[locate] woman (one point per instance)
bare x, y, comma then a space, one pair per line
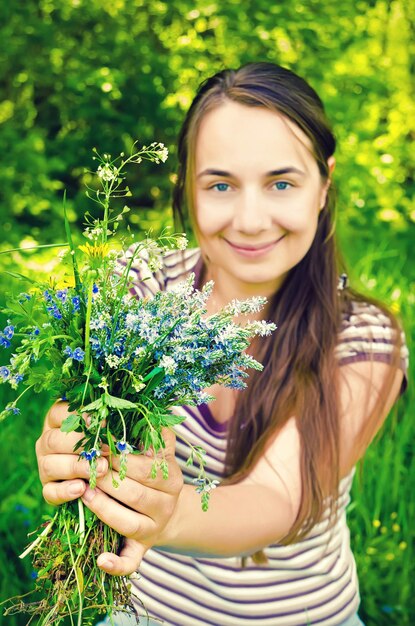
255, 167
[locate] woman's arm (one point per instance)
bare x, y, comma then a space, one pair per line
242, 518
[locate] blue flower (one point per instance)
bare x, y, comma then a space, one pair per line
13, 409
95, 288
17, 378
54, 311
21, 508
62, 294
8, 332
4, 341
78, 354
47, 296
68, 351
4, 372
123, 447
89, 455
33, 575
76, 303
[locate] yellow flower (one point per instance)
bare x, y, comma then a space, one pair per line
376, 523
96, 251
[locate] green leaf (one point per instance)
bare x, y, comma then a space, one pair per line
154, 372
71, 245
71, 423
118, 403
171, 420
94, 406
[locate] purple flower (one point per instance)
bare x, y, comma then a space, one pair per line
4, 372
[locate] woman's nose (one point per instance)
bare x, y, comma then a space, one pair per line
251, 215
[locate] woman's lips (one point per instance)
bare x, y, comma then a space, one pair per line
253, 251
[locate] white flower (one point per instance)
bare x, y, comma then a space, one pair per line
182, 242
113, 361
107, 172
169, 364
139, 352
155, 264
131, 319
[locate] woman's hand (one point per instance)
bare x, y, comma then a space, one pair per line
63, 474
139, 508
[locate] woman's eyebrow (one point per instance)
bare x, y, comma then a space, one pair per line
285, 170
213, 172
279, 172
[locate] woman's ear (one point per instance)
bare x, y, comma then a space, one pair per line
331, 162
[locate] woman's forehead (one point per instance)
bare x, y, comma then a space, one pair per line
233, 130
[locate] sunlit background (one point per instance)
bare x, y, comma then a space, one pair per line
103, 73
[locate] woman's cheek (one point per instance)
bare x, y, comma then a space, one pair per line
210, 219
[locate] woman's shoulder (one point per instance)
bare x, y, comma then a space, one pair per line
370, 332
171, 267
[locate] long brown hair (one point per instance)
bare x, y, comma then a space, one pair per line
300, 375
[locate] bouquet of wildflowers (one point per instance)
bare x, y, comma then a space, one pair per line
126, 362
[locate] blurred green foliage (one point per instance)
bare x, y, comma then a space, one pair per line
75, 74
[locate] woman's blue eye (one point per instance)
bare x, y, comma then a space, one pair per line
221, 186
282, 185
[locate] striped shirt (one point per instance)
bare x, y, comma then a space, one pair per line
311, 582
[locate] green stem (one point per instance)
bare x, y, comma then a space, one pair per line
87, 325
39, 539
74, 566
81, 520
49, 245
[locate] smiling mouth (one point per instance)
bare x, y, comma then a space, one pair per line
253, 250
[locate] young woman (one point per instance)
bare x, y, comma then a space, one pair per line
255, 172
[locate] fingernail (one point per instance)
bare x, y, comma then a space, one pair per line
101, 466
89, 495
76, 489
103, 561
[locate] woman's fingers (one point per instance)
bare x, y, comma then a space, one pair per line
127, 562
60, 492
57, 413
122, 519
54, 441
154, 503
66, 466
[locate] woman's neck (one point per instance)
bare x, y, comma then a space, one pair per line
228, 288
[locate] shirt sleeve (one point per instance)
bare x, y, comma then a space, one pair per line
367, 334
144, 282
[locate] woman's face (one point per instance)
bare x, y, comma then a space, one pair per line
258, 194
